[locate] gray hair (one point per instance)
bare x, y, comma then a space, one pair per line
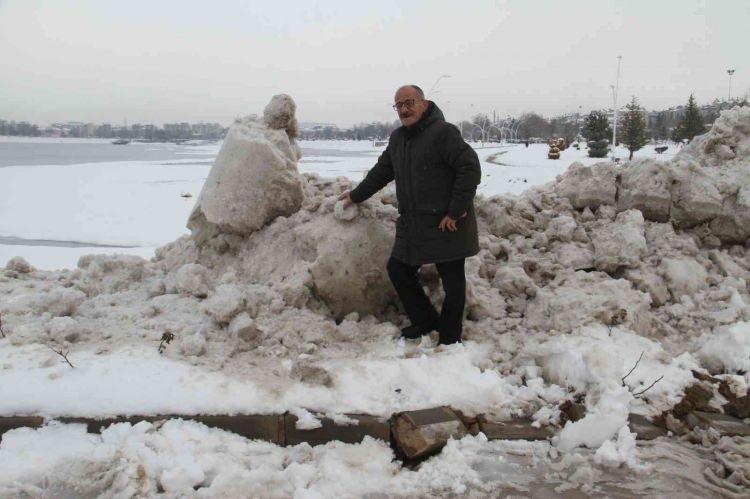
420, 92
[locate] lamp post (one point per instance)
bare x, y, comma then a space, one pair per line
730, 72
435, 84
615, 90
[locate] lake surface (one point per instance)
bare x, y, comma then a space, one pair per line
27, 152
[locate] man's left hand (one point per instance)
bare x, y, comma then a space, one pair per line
449, 223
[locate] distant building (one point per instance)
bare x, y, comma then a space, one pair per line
89, 130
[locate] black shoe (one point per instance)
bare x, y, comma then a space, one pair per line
415, 331
448, 341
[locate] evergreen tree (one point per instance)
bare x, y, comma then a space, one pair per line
691, 123
596, 126
596, 130
633, 125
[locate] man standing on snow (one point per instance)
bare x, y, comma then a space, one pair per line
436, 175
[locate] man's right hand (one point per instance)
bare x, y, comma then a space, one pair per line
344, 196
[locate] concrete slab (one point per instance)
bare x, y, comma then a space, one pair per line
697, 396
12, 422
96, 425
518, 429
255, 427
644, 428
739, 407
330, 431
422, 433
726, 425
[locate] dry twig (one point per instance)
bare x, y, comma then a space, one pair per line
166, 339
638, 394
631, 371
62, 353
2, 333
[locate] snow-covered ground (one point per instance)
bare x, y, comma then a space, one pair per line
187, 459
573, 288
54, 214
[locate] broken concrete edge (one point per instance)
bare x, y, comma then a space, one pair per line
281, 429
329, 430
645, 428
423, 433
724, 424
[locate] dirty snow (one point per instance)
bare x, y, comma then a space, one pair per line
570, 288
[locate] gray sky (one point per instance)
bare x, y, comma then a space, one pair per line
160, 61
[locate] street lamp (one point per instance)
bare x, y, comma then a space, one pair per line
730, 72
615, 91
435, 84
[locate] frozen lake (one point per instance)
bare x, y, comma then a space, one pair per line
63, 198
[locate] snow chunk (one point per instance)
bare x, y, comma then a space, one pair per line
586, 297
254, 178
279, 114
226, 302
561, 229
683, 276
349, 271
19, 264
111, 273
613, 453
593, 359
574, 256
192, 279
695, 198
63, 329
193, 344
306, 420
599, 425
621, 244
590, 186
244, 328
646, 186
348, 213
60, 301
728, 350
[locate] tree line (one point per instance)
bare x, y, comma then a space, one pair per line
635, 132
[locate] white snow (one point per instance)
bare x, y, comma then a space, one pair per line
137, 380
570, 289
727, 350
187, 459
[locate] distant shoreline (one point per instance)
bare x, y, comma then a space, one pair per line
99, 140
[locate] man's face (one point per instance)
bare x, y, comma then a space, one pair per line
409, 106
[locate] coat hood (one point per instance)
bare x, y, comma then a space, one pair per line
431, 115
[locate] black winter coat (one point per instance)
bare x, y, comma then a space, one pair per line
436, 174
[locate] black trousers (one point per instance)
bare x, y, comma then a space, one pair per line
418, 307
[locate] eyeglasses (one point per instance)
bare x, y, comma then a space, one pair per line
405, 103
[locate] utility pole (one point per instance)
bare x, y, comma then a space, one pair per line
730, 72
615, 91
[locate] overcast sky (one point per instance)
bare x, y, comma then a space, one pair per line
160, 61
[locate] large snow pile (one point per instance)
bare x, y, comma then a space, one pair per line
280, 286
